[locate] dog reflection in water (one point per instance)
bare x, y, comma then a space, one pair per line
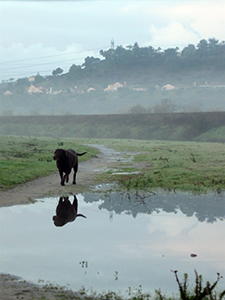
66, 212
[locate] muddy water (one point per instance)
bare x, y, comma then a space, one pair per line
126, 240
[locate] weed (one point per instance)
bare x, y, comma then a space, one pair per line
199, 292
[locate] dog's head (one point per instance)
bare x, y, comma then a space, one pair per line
59, 221
59, 154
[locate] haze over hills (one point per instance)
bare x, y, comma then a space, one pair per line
126, 80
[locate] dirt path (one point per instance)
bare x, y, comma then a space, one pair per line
50, 185
12, 287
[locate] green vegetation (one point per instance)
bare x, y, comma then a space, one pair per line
23, 159
201, 291
197, 72
186, 166
207, 55
207, 127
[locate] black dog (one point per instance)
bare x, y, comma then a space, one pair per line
66, 212
65, 161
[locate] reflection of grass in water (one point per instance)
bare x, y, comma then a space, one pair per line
200, 291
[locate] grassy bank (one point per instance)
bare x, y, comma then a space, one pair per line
202, 127
23, 159
186, 166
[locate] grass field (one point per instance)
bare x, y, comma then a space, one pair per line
23, 158
186, 166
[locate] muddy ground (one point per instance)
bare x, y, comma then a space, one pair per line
13, 287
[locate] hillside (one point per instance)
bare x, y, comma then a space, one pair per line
189, 80
207, 127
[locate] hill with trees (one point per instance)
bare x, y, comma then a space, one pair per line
143, 76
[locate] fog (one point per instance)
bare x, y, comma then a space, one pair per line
123, 101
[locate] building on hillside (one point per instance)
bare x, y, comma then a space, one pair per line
31, 79
7, 93
33, 90
91, 89
113, 88
51, 92
168, 87
118, 85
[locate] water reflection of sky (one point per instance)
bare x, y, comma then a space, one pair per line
110, 251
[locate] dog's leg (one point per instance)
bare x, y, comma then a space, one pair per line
74, 177
67, 177
75, 168
62, 178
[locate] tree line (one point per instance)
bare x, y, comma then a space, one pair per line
207, 55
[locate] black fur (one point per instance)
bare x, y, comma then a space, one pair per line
66, 160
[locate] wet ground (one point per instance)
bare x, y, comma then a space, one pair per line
126, 240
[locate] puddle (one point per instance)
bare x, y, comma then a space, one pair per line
126, 173
126, 240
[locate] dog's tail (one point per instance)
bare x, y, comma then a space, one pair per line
80, 154
80, 215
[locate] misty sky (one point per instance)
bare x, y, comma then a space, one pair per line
39, 36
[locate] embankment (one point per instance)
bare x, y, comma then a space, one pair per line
202, 126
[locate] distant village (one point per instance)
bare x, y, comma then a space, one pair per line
32, 89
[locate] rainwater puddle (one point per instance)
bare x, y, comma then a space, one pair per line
126, 240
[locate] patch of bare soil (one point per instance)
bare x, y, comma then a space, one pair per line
11, 286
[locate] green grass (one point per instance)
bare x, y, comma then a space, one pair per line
185, 166
25, 158
201, 127
200, 291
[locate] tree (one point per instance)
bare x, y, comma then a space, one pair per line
56, 72
166, 106
22, 84
189, 51
171, 52
138, 109
75, 72
38, 78
90, 61
202, 48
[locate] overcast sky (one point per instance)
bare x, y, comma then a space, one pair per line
39, 36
